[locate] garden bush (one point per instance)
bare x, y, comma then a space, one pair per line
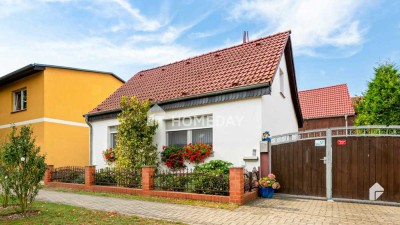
23, 165
214, 165
69, 175
105, 177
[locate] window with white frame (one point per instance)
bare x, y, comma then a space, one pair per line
112, 137
193, 130
20, 100
282, 82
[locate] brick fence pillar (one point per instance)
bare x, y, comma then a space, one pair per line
147, 179
236, 185
47, 174
90, 173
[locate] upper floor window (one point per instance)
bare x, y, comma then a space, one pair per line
20, 100
282, 82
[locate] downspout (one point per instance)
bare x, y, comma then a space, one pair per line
345, 119
90, 138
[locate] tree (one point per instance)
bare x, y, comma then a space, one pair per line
4, 184
381, 103
135, 146
24, 165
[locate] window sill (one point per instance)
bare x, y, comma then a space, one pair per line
248, 158
23, 110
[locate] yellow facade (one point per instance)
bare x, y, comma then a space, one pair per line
57, 99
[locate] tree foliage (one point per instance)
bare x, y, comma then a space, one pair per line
22, 166
135, 146
381, 103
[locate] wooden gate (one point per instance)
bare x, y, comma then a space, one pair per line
300, 168
362, 162
339, 162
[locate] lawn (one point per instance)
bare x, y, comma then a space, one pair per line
52, 213
228, 206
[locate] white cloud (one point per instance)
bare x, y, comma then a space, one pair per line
166, 36
112, 36
144, 24
314, 23
91, 53
206, 34
9, 7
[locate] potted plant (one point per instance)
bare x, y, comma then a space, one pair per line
268, 185
109, 156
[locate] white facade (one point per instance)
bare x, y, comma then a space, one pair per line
279, 116
237, 125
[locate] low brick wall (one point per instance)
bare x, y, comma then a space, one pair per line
250, 196
236, 186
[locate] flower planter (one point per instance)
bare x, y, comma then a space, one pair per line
266, 192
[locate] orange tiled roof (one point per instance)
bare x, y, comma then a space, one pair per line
326, 102
251, 63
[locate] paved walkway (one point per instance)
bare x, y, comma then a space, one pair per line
261, 211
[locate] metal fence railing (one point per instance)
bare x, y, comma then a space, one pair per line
192, 181
353, 131
250, 179
366, 131
69, 174
122, 177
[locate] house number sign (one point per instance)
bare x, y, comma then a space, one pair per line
319, 143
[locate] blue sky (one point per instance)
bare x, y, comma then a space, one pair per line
334, 41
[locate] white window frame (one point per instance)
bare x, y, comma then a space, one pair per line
23, 93
188, 130
282, 82
111, 130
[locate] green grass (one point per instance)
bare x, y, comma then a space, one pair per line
228, 206
52, 213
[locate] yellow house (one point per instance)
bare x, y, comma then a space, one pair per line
53, 99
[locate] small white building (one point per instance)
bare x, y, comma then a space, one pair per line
226, 98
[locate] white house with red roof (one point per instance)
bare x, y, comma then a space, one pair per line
226, 98
326, 107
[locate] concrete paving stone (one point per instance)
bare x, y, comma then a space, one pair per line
261, 211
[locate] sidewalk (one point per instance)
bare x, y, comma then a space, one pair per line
262, 211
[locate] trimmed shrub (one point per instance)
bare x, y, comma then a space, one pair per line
214, 165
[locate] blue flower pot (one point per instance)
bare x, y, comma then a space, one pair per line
266, 192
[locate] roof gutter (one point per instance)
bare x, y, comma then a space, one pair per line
90, 140
243, 88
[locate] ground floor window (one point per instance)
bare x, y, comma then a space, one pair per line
112, 137
193, 130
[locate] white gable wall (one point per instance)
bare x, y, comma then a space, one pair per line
278, 114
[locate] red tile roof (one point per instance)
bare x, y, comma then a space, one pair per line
326, 102
251, 63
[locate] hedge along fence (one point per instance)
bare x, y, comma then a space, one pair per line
69, 174
192, 181
155, 184
122, 177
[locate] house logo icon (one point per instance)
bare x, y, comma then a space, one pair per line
375, 191
156, 113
